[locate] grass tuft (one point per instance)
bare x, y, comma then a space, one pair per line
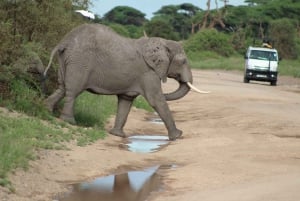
141, 103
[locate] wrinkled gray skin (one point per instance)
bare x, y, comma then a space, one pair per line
92, 57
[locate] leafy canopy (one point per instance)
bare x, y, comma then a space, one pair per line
125, 15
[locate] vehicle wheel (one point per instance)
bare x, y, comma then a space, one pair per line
246, 80
273, 83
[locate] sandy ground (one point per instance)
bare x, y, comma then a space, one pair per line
240, 143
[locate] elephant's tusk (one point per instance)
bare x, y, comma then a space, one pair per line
197, 90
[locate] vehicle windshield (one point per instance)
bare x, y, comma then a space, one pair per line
263, 55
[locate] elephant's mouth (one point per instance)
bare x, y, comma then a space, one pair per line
174, 76
182, 90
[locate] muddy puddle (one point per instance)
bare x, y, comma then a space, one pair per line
129, 186
145, 143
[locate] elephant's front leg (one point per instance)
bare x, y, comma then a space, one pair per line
124, 105
160, 105
156, 99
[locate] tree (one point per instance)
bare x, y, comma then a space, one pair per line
179, 17
39, 21
82, 4
125, 15
283, 40
256, 2
130, 31
210, 18
28, 32
161, 28
209, 40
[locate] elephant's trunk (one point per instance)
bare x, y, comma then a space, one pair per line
182, 90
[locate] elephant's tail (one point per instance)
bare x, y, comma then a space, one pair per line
50, 61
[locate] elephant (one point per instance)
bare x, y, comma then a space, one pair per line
94, 58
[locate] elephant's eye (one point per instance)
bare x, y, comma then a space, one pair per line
184, 61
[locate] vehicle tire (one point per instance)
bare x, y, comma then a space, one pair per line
273, 83
246, 80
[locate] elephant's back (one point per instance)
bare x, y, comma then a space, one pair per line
102, 51
91, 32
97, 38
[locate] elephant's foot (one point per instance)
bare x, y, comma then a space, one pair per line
68, 119
117, 132
48, 106
175, 134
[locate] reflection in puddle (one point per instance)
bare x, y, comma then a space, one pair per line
130, 186
145, 143
156, 120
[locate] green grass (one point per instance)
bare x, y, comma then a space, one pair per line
24, 98
224, 63
93, 110
290, 67
20, 137
141, 103
208, 60
91, 114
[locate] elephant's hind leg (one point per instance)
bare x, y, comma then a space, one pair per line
54, 98
124, 105
68, 110
74, 82
71, 94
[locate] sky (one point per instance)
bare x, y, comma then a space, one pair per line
100, 7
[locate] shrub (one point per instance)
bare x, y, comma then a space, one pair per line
161, 28
120, 29
209, 40
284, 41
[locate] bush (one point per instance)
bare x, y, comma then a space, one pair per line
209, 40
130, 31
161, 28
134, 31
284, 41
9, 44
120, 29
25, 98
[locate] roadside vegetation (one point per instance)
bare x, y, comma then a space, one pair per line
212, 39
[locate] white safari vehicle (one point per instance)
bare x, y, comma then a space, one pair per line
261, 64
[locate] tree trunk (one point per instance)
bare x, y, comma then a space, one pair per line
204, 21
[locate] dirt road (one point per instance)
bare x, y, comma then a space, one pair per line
240, 143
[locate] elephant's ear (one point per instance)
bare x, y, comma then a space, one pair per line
156, 56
